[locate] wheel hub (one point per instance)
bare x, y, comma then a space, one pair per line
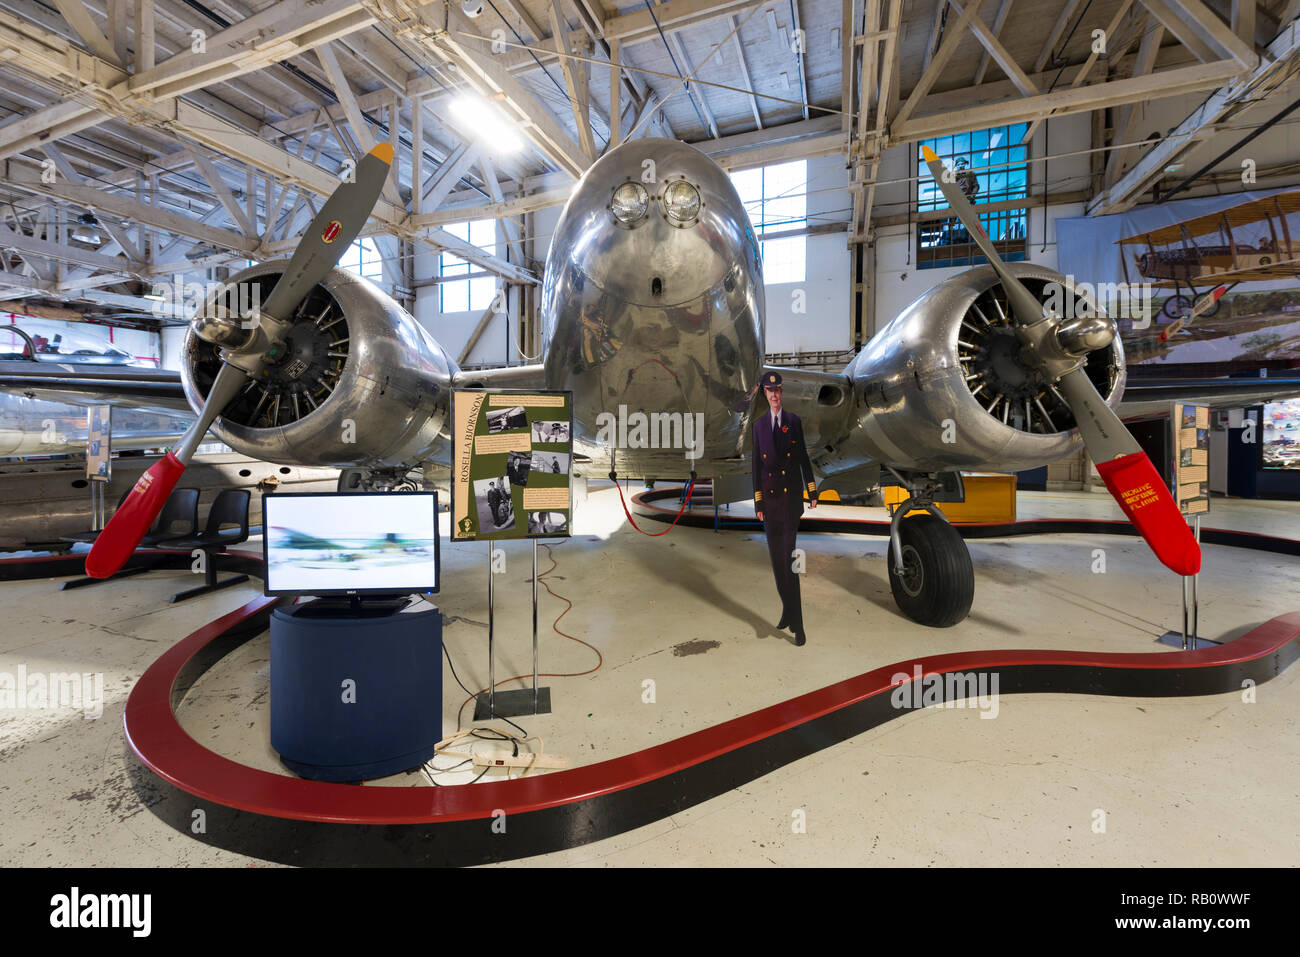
913, 577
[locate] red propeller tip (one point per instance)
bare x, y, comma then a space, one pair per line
133, 518
1142, 496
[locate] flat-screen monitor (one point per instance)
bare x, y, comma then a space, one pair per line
355, 543
1279, 447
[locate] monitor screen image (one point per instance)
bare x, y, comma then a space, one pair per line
381, 543
1280, 448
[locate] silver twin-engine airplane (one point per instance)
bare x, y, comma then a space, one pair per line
653, 303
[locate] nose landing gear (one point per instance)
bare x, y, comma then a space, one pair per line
930, 571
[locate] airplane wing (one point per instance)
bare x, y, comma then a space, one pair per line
506, 377
1145, 396
1243, 214
76, 384
292, 538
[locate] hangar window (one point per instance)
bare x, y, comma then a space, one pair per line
473, 292
362, 259
991, 166
776, 198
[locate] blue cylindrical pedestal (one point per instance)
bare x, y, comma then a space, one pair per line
354, 698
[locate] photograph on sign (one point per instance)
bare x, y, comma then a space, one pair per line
1191, 457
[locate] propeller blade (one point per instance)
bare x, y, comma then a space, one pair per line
1024, 304
1127, 471
1203, 306
1130, 477
333, 230
137, 513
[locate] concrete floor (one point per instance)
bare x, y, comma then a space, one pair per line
1180, 782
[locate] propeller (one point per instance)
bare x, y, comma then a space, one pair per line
1206, 303
246, 353
1060, 349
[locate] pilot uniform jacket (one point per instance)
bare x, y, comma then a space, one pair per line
780, 465
781, 474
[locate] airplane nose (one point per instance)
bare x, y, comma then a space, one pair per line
650, 299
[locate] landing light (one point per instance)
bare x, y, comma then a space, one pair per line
629, 203
681, 203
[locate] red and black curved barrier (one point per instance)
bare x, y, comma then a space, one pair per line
285, 819
815, 522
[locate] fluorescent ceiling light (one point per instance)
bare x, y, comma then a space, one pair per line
486, 123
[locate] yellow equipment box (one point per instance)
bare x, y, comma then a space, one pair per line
990, 499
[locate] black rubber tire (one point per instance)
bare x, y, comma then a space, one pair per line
1176, 306
940, 586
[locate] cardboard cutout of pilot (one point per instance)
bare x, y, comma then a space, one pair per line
781, 472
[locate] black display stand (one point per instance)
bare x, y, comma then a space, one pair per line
356, 687
521, 701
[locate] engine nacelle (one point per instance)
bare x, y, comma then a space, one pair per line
359, 383
944, 387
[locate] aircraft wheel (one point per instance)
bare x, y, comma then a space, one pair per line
938, 581
1177, 306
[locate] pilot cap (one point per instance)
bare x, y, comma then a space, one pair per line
771, 380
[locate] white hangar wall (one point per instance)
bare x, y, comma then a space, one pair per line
826, 319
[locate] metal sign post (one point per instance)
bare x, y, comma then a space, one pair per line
492, 659
519, 701
1189, 467
534, 626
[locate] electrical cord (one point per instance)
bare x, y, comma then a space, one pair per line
555, 626
504, 737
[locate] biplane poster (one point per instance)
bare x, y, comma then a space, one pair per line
1156, 269
512, 455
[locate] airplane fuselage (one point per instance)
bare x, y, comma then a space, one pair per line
654, 321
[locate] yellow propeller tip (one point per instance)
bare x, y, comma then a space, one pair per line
384, 151
929, 154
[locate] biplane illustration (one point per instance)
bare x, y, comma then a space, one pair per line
1251, 242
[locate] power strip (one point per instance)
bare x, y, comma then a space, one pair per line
504, 759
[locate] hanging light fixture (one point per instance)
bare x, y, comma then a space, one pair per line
87, 230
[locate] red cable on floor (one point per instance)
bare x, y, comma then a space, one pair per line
555, 625
680, 512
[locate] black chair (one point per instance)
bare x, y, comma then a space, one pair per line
228, 509
179, 516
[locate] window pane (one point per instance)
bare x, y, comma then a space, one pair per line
481, 292
362, 259
784, 192
483, 234
991, 165
455, 296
